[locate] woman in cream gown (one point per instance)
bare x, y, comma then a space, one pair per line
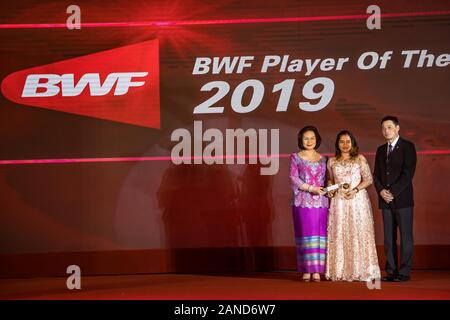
351, 251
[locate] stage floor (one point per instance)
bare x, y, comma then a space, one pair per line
426, 284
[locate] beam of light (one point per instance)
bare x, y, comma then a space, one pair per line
220, 22
166, 158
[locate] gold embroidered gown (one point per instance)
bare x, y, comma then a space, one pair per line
351, 250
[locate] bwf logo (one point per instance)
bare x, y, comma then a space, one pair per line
53, 84
120, 84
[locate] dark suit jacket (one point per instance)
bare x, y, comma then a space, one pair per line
396, 174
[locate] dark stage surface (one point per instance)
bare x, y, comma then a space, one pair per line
425, 285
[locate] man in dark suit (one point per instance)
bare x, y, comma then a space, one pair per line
395, 164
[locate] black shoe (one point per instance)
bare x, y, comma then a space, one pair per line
402, 278
388, 278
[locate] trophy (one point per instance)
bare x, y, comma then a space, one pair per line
333, 187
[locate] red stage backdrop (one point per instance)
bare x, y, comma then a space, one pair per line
92, 119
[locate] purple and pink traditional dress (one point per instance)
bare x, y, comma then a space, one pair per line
310, 212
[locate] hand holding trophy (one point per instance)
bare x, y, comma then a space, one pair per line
348, 194
332, 189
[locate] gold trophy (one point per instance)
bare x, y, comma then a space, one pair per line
334, 187
346, 187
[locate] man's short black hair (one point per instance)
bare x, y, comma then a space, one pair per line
391, 118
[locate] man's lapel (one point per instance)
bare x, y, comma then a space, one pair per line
384, 153
397, 147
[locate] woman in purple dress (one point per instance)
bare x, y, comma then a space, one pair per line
310, 206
